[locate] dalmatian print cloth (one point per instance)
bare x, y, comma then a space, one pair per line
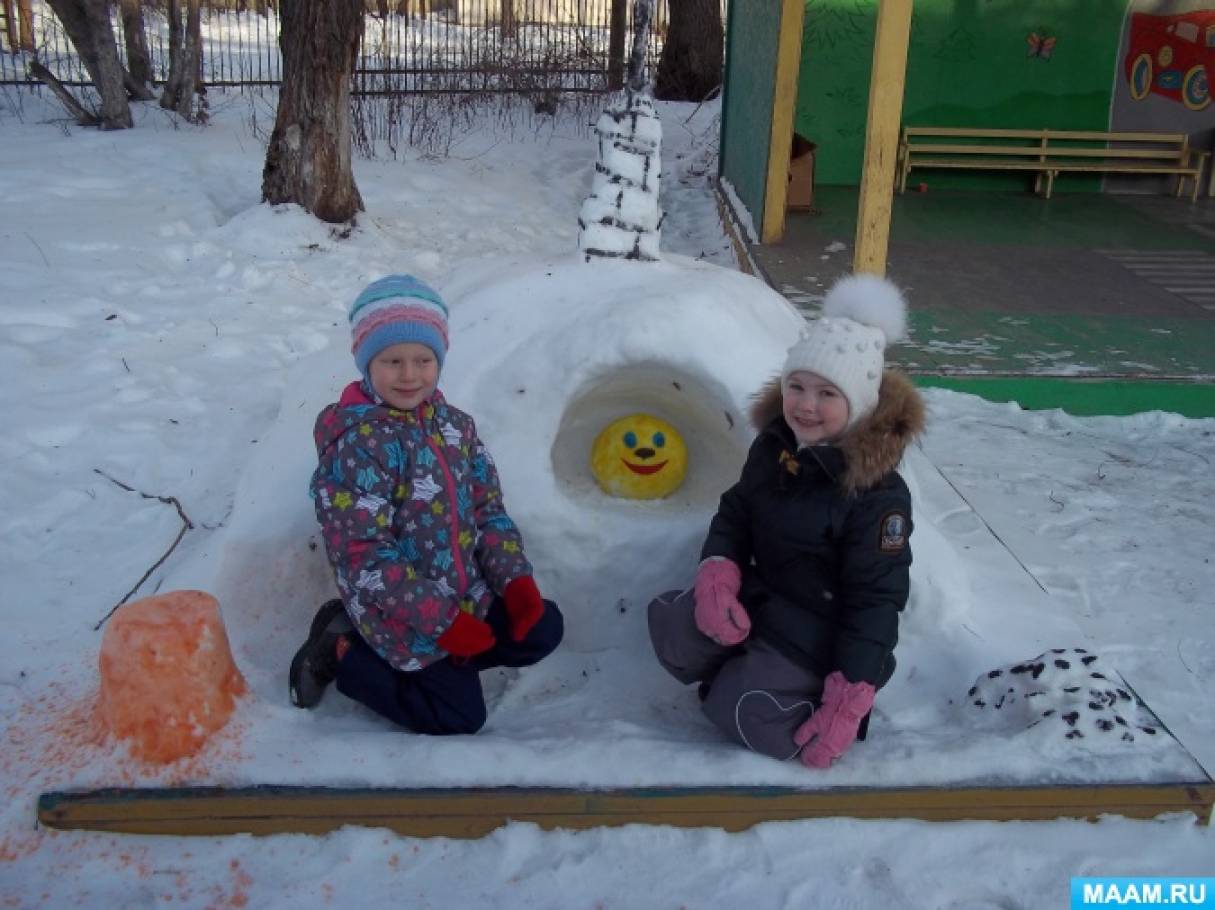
1068, 693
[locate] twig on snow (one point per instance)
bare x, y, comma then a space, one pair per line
38, 248
713, 93
1182, 659
186, 525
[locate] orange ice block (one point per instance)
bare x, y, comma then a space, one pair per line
168, 680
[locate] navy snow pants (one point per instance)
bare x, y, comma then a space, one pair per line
445, 697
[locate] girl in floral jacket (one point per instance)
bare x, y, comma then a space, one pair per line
435, 585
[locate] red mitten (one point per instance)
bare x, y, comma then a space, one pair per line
717, 612
467, 636
523, 606
832, 728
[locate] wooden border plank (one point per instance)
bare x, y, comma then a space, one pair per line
474, 812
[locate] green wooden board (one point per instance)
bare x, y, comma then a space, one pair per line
750, 85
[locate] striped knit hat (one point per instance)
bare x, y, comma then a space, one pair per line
393, 310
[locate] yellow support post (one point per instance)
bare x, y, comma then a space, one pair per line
882, 135
784, 101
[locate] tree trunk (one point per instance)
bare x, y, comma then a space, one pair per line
191, 74
690, 67
139, 62
87, 23
308, 160
10, 25
643, 18
185, 60
25, 34
616, 34
168, 97
509, 24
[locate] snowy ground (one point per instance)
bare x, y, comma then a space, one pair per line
163, 327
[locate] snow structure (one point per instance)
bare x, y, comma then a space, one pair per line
1066, 692
168, 681
690, 343
621, 218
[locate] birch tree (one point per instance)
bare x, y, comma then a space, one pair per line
309, 158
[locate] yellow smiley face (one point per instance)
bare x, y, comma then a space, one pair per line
639, 457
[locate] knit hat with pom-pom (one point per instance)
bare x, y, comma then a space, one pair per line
862, 314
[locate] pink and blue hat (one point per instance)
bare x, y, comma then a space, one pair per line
393, 310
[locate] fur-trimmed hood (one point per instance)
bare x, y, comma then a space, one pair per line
875, 445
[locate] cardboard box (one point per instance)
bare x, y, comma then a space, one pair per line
800, 196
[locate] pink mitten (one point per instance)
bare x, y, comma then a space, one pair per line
832, 728
718, 613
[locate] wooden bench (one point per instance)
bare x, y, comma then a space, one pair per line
1048, 153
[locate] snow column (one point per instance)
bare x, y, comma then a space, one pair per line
621, 218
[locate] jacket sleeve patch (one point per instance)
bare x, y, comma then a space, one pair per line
892, 533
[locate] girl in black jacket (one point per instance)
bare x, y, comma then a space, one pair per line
791, 625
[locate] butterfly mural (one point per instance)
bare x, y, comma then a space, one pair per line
1040, 45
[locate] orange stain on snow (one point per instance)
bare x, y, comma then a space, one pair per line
239, 896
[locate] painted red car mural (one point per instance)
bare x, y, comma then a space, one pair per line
1172, 56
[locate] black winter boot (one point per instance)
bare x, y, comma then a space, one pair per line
315, 664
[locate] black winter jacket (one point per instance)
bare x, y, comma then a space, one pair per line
821, 536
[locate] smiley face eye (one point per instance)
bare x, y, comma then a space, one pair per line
660, 440
630, 439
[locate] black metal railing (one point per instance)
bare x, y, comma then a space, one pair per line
409, 46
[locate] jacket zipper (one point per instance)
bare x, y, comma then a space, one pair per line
453, 512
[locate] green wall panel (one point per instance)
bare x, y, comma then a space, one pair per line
752, 34
970, 63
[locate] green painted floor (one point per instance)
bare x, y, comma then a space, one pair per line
1094, 303
1080, 220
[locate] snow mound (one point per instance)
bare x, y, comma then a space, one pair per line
1065, 696
587, 343
598, 341
544, 353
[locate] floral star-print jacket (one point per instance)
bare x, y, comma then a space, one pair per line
413, 521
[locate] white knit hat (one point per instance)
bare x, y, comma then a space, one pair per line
862, 314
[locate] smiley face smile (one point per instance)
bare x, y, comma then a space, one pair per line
644, 469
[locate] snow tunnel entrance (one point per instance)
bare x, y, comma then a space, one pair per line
716, 434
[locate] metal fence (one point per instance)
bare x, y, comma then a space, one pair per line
409, 46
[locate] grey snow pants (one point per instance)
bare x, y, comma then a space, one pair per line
756, 695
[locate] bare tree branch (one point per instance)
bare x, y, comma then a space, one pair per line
186, 526
66, 98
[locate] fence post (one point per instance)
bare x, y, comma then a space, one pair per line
619, 24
